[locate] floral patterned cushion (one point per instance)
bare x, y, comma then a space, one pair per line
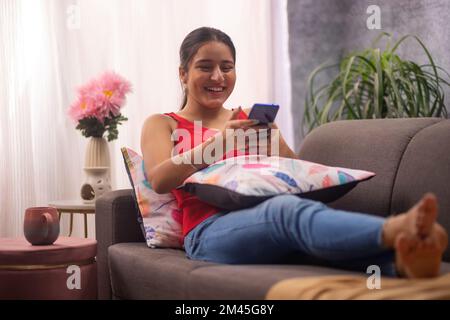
244, 181
159, 216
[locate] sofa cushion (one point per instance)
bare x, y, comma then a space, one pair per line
140, 273
158, 214
376, 145
245, 181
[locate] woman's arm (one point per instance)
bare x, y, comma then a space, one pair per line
166, 172
163, 171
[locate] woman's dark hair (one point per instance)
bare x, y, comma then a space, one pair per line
194, 40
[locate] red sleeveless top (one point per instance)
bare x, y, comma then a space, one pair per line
194, 210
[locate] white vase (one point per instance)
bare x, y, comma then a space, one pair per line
97, 153
97, 169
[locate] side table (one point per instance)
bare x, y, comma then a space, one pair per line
65, 269
74, 207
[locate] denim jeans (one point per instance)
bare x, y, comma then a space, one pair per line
286, 225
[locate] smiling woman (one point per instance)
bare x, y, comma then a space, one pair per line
210, 76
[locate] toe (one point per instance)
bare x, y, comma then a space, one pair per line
427, 214
430, 202
403, 244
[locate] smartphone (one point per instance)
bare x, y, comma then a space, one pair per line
265, 113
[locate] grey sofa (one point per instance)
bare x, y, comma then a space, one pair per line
409, 156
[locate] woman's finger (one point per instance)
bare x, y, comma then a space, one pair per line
235, 113
261, 126
236, 124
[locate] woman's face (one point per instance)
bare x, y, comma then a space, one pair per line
211, 75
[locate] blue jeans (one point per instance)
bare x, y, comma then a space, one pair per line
285, 225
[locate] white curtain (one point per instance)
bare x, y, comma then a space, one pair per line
49, 47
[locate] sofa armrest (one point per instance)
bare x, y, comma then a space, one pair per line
115, 222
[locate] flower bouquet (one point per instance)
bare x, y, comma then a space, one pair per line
97, 108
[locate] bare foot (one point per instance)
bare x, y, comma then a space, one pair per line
417, 221
418, 240
420, 257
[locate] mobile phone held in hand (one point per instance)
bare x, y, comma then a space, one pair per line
265, 113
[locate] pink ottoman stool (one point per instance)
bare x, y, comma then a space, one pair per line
64, 270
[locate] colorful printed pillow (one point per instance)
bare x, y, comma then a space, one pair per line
245, 181
159, 215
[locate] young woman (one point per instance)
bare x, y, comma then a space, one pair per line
410, 244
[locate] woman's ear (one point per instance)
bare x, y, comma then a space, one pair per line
183, 76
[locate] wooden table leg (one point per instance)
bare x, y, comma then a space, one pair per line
85, 226
71, 224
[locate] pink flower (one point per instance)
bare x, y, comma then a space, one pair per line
100, 97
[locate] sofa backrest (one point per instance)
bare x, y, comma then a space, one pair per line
409, 156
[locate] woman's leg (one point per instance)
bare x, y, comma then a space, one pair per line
286, 224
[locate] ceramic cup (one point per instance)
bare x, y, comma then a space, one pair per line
41, 225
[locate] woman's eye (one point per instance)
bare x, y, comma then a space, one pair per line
208, 68
227, 69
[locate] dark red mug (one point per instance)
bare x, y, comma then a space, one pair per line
41, 225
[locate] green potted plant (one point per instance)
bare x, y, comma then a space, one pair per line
376, 83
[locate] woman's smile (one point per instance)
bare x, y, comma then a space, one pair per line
215, 91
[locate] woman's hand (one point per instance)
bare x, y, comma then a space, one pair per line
235, 123
230, 128
268, 140
252, 138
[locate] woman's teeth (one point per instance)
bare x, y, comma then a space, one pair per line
215, 89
